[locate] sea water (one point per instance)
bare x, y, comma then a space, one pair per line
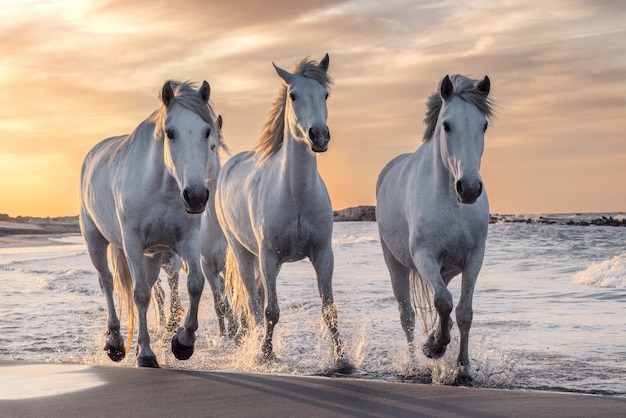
549, 313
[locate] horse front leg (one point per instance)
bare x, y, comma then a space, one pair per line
185, 338
401, 285
464, 317
323, 262
145, 271
428, 269
97, 247
269, 271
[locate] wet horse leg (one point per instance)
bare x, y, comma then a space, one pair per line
323, 262
144, 271
429, 269
97, 248
464, 316
184, 339
269, 271
159, 296
211, 274
172, 266
401, 285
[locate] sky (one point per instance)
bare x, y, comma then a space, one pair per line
75, 72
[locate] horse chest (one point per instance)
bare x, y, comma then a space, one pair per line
295, 242
452, 237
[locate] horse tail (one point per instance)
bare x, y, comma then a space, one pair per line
422, 299
123, 283
234, 288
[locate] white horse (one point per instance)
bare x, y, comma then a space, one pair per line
273, 205
432, 213
212, 257
142, 194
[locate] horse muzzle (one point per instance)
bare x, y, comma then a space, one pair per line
195, 199
468, 192
319, 137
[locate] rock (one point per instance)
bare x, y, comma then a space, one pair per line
355, 214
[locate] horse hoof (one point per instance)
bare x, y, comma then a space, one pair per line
432, 349
181, 352
342, 366
266, 358
116, 354
462, 377
148, 362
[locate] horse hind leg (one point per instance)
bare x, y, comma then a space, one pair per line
171, 266
159, 296
217, 289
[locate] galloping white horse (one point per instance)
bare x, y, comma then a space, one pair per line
142, 194
432, 213
273, 205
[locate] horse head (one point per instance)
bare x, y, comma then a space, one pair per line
306, 111
191, 140
462, 122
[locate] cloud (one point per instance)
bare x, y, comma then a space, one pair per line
75, 72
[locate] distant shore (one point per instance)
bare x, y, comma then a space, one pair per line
26, 225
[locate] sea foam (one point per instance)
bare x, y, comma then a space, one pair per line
608, 273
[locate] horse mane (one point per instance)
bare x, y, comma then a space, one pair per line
186, 95
465, 88
273, 131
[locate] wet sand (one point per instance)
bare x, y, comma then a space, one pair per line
57, 390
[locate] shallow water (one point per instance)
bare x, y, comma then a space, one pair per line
549, 311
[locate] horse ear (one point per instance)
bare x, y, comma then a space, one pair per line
446, 88
285, 75
167, 93
205, 91
324, 63
484, 85
219, 121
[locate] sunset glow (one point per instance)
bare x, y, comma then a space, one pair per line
75, 72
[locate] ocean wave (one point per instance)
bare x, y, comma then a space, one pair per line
71, 280
608, 273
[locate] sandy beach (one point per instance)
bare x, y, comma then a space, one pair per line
57, 390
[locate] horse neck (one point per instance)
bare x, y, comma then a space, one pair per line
298, 167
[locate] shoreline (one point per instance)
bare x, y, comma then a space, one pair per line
364, 213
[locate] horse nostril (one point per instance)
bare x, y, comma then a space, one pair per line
186, 195
311, 134
459, 187
480, 188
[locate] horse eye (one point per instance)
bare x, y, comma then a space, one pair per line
446, 126
326, 98
486, 125
170, 134
207, 134
292, 96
